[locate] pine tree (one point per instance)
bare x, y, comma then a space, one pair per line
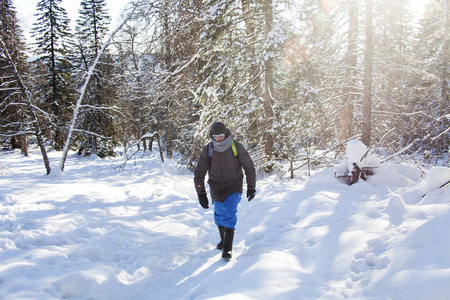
52, 34
92, 26
230, 78
431, 99
14, 126
96, 122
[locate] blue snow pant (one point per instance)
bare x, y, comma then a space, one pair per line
225, 214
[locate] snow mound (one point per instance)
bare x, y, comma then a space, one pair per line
395, 209
430, 191
422, 268
358, 153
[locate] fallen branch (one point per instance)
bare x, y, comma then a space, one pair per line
439, 188
444, 184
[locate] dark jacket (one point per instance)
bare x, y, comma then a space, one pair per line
225, 172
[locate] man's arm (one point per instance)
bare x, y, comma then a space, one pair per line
200, 172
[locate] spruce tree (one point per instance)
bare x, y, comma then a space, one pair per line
99, 130
52, 34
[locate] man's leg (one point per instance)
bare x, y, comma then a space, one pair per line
229, 219
229, 210
218, 214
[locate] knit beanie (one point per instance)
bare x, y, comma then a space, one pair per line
218, 128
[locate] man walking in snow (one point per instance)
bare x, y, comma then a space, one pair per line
223, 159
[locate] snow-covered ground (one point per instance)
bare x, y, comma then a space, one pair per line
99, 233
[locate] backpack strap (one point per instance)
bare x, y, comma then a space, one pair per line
210, 150
233, 147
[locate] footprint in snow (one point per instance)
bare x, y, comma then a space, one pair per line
313, 241
370, 259
254, 236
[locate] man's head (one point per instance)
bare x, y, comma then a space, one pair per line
218, 131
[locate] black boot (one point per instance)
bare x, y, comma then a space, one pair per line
220, 244
227, 242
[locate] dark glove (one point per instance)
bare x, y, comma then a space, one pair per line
203, 199
250, 195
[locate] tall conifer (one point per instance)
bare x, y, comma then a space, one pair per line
13, 119
52, 34
96, 122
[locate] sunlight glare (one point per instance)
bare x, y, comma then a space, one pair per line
330, 5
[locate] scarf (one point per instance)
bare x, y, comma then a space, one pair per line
223, 145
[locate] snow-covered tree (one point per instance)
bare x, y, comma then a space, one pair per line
329, 39
280, 83
98, 131
14, 126
431, 100
137, 68
18, 115
53, 71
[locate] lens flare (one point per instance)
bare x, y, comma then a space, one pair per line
330, 5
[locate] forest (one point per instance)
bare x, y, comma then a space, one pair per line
292, 80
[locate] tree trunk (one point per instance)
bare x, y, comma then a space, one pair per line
268, 89
345, 129
368, 59
24, 144
161, 154
168, 60
169, 139
255, 86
